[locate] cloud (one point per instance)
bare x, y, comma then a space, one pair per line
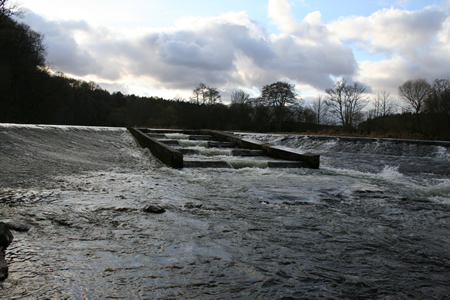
392, 30
228, 51
416, 44
63, 51
231, 51
280, 13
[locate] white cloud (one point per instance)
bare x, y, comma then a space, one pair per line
231, 51
391, 30
228, 51
416, 45
280, 12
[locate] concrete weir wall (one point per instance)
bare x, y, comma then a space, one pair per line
174, 158
309, 160
171, 157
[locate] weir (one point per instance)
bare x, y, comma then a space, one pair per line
218, 149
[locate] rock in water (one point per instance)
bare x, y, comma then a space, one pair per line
6, 238
3, 265
154, 209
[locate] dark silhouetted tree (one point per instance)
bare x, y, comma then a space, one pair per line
22, 60
213, 95
320, 110
240, 109
415, 93
278, 96
199, 94
438, 100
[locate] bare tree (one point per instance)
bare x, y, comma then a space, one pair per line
320, 109
346, 102
382, 104
239, 97
205, 95
415, 93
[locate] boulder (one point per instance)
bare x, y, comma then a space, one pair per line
154, 209
3, 265
6, 238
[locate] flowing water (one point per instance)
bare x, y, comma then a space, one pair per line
372, 222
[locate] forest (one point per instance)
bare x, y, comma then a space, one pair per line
30, 92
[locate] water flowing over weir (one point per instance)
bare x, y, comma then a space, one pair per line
371, 222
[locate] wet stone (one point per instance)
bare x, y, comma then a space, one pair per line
3, 265
6, 238
21, 227
153, 209
191, 205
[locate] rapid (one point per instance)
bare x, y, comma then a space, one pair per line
372, 222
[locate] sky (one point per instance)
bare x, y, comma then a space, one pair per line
166, 48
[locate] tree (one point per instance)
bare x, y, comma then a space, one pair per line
213, 95
346, 102
239, 97
205, 95
199, 94
178, 98
382, 104
6, 10
415, 93
320, 110
22, 63
438, 100
241, 109
277, 96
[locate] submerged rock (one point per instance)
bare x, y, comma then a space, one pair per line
21, 227
154, 209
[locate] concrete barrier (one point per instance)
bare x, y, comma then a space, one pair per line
309, 160
174, 158
240, 142
164, 153
355, 139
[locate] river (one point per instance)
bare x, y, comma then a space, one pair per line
372, 222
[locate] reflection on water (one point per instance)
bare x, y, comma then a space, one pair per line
246, 233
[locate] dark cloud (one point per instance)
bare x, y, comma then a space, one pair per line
63, 52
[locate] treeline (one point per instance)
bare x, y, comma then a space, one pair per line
427, 112
409, 126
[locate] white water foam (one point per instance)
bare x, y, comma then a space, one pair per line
61, 127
